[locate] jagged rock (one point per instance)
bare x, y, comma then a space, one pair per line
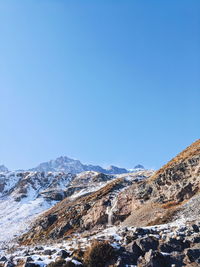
147, 243
28, 259
49, 252
31, 264
63, 254
134, 252
39, 248
193, 255
174, 245
49, 220
10, 264
195, 228
152, 259
3, 258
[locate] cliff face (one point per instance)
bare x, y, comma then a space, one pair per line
180, 178
159, 198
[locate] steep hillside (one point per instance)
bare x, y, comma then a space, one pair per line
25, 195
159, 198
103, 207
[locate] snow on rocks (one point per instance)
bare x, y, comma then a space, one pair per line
134, 246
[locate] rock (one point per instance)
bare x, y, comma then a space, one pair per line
9, 264
125, 259
174, 245
196, 239
47, 252
152, 259
71, 264
147, 243
134, 251
28, 259
3, 258
130, 238
141, 231
63, 254
48, 221
195, 228
39, 248
193, 255
31, 264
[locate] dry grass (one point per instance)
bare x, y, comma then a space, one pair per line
61, 263
190, 151
166, 217
99, 254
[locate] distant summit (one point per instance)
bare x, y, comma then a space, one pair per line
139, 166
3, 168
68, 165
116, 170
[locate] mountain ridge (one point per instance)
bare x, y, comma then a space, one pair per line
74, 166
66, 164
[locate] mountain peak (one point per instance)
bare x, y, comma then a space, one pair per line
139, 166
3, 168
69, 165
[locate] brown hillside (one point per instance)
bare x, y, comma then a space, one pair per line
158, 199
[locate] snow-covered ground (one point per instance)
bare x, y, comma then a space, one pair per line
16, 217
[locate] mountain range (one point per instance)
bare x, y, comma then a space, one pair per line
68, 165
63, 214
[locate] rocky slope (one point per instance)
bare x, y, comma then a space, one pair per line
149, 220
169, 245
105, 206
160, 198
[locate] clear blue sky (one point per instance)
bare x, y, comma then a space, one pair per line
106, 82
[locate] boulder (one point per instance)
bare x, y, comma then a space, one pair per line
31, 264
63, 254
133, 251
3, 258
147, 243
47, 252
174, 244
152, 259
195, 228
193, 255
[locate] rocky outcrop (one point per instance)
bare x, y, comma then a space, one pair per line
160, 198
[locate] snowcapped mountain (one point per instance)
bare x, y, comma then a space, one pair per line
68, 165
3, 168
21, 198
25, 195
